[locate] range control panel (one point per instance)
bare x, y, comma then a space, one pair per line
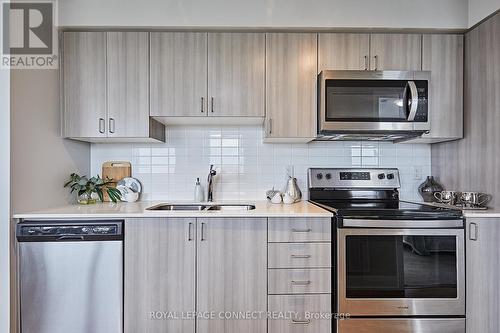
353, 178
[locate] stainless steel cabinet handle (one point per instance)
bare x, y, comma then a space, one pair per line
111, 125
303, 322
300, 283
270, 126
473, 231
212, 104
202, 238
301, 230
300, 256
102, 124
376, 62
190, 227
366, 62
202, 104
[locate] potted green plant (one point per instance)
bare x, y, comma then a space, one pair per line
85, 187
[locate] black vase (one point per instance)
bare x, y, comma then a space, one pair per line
428, 188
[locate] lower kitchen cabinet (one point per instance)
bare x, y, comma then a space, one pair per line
482, 275
159, 274
180, 265
232, 273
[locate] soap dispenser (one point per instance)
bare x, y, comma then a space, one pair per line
199, 194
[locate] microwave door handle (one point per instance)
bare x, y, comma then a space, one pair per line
414, 101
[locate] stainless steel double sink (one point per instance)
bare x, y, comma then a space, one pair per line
202, 207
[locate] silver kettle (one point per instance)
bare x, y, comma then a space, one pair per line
292, 189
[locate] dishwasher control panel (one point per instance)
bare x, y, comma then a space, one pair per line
36, 231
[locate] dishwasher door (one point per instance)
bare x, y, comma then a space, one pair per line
71, 281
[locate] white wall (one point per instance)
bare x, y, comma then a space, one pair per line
4, 197
247, 167
479, 9
266, 13
41, 160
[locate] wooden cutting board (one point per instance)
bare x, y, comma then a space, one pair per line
116, 170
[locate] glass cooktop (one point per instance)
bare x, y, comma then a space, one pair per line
388, 210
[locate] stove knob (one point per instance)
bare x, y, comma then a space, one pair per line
382, 176
390, 176
328, 176
319, 176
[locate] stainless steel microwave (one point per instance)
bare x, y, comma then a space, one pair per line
375, 105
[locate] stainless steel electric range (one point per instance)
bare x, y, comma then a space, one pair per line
400, 266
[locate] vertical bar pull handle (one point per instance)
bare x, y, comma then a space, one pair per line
190, 228
111, 125
376, 62
101, 125
202, 105
203, 232
473, 231
366, 62
212, 104
270, 126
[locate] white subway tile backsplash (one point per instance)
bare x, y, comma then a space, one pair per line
247, 167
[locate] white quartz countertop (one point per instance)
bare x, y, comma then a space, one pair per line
138, 209
481, 213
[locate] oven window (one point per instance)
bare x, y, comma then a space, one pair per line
365, 100
401, 267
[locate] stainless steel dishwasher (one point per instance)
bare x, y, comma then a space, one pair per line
71, 276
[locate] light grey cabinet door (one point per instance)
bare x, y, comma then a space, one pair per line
231, 273
291, 74
179, 74
236, 69
84, 84
443, 55
159, 274
397, 52
482, 275
343, 51
128, 84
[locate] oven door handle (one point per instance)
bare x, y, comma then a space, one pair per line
410, 224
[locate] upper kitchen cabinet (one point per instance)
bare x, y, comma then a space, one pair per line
236, 69
443, 55
178, 74
397, 52
105, 87
342, 51
84, 84
202, 78
291, 74
127, 84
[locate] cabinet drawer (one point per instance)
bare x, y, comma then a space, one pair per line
299, 281
299, 255
305, 229
308, 307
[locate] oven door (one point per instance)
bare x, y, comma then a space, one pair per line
401, 272
373, 101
